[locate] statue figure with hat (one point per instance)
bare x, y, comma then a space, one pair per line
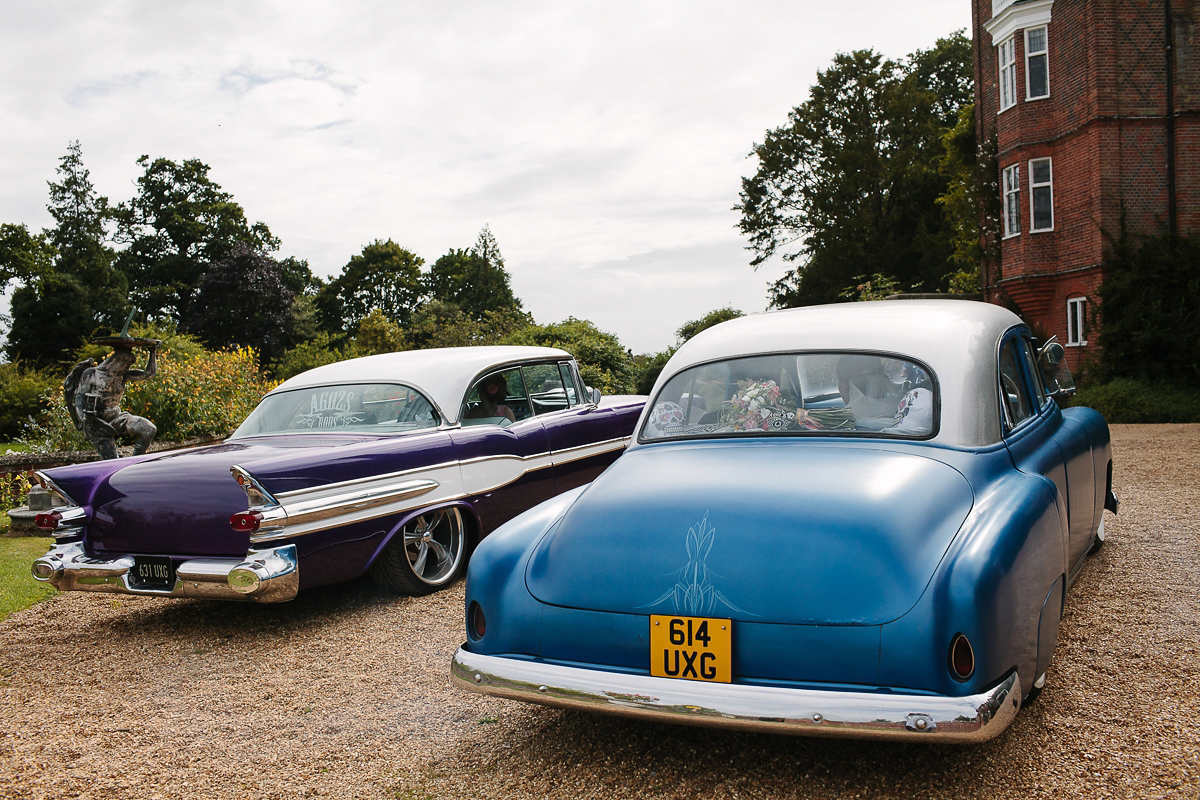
93, 393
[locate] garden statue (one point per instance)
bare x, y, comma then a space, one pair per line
93, 394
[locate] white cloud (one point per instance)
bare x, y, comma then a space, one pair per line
603, 142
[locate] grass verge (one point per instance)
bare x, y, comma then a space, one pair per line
18, 589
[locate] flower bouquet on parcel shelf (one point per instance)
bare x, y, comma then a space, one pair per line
760, 406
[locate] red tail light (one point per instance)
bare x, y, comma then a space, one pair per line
246, 521
478, 621
47, 521
962, 657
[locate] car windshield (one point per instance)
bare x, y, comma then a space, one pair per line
838, 393
350, 408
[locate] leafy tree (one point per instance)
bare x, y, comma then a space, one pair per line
473, 280
714, 317
322, 349
50, 317
243, 300
385, 276
179, 223
81, 238
23, 255
438, 323
378, 334
849, 186
971, 201
603, 362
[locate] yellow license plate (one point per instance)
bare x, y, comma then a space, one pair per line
692, 648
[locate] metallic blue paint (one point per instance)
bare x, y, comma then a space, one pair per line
821, 533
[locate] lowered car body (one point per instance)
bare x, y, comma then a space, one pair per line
852, 521
394, 464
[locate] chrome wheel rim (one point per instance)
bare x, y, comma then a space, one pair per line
433, 545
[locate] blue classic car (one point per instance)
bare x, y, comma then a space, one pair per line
395, 464
856, 520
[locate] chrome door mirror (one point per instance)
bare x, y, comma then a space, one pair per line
1055, 372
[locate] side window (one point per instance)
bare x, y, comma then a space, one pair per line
1006, 64
1012, 386
545, 383
1041, 195
1040, 398
1076, 314
1037, 65
497, 399
1011, 183
568, 382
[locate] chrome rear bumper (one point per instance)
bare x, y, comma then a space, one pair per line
263, 576
764, 709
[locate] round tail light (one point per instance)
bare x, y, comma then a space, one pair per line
246, 521
962, 657
478, 622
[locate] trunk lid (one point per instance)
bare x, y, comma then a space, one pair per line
783, 531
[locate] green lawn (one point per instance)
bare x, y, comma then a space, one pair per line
18, 589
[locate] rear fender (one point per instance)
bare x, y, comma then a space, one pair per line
991, 586
1052, 611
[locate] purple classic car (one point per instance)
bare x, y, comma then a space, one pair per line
394, 464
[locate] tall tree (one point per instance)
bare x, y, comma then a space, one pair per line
849, 186
80, 236
178, 224
244, 300
384, 276
474, 280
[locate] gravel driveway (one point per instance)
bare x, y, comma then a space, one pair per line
343, 693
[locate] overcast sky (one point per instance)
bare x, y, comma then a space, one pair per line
603, 142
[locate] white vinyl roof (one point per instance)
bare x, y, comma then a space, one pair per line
442, 374
957, 339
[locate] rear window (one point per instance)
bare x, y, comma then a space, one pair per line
350, 408
836, 393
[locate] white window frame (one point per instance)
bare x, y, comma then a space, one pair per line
1006, 70
1034, 188
1076, 320
1010, 190
1030, 55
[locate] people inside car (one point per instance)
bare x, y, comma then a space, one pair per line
493, 391
867, 389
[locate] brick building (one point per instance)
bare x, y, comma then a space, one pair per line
1094, 105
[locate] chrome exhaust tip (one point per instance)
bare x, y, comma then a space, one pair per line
47, 568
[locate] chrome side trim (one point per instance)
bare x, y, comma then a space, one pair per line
304, 511
69, 568
764, 709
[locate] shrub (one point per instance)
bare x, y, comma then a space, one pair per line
205, 394
1126, 400
21, 392
13, 488
1150, 320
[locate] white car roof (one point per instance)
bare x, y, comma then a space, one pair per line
442, 374
957, 339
